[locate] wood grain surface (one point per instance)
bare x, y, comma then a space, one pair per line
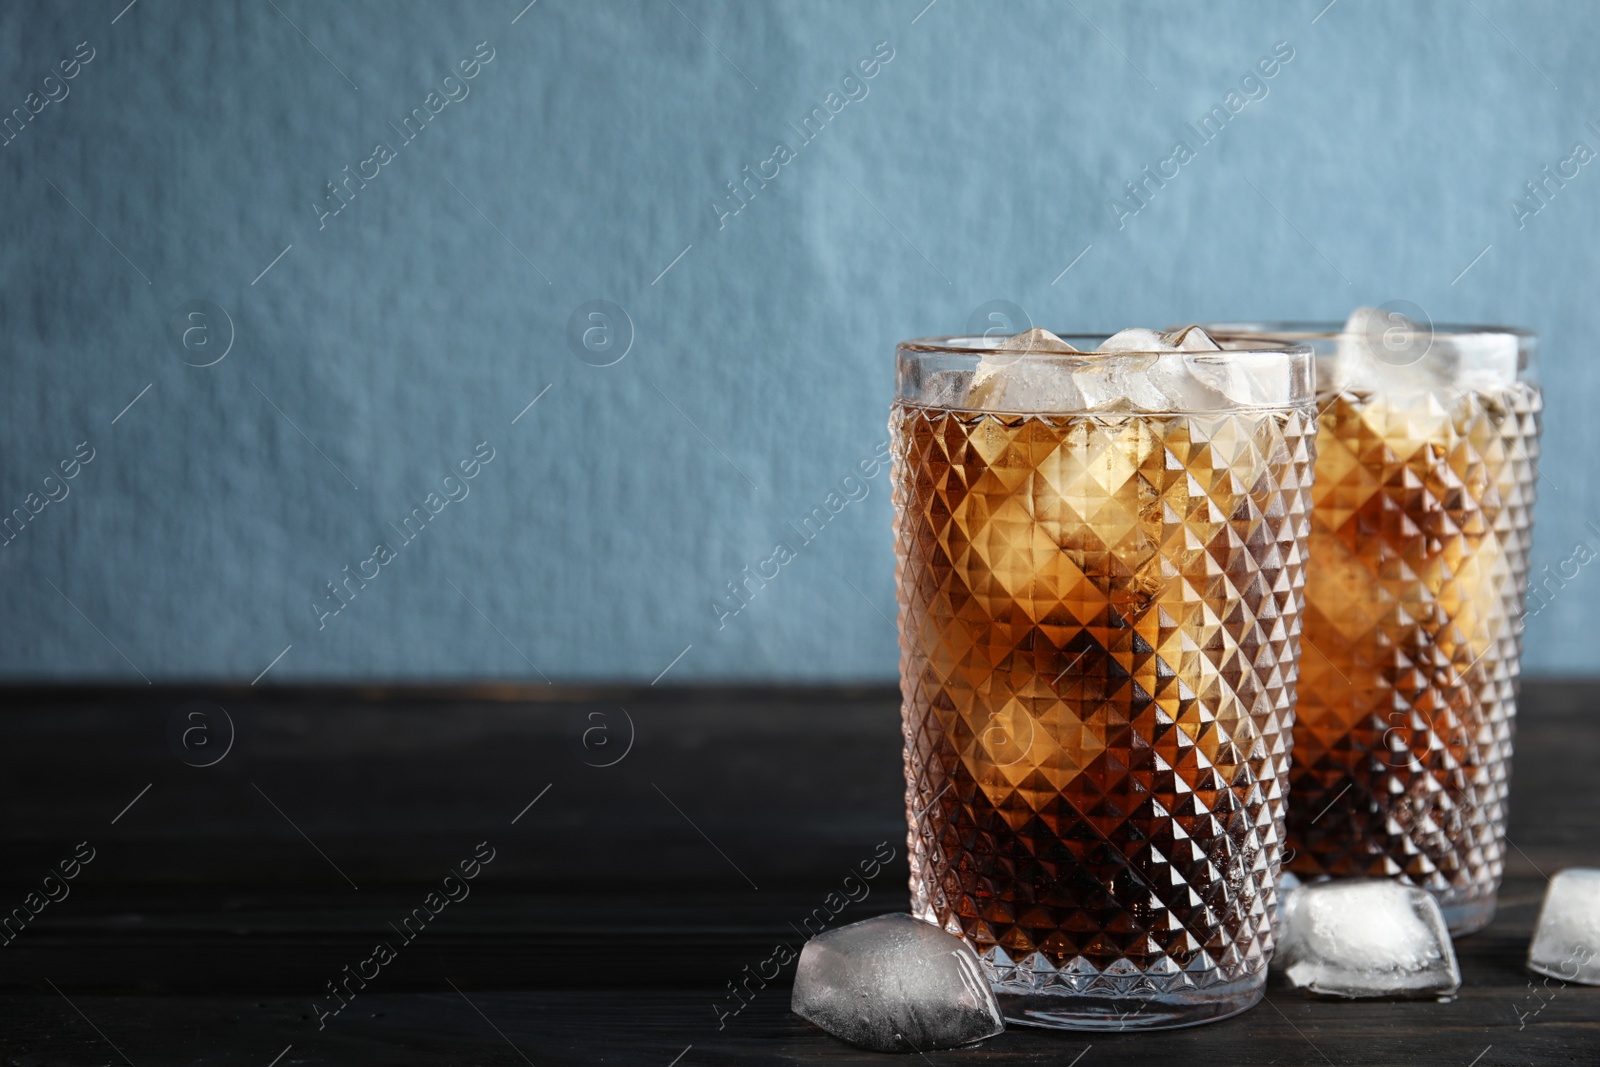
621, 898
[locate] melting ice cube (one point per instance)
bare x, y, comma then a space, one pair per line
1158, 372
1566, 944
1139, 339
1365, 938
1383, 349
1135, 339
1037, 339
1008, 381
895, 984
1191, 339
1170, 380
1124, 383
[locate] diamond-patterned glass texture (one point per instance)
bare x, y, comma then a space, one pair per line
1100, 620
1420, 535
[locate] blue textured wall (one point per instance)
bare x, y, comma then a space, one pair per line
578, 163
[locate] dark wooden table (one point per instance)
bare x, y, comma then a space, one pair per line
620, 901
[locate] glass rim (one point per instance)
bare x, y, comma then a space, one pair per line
1296, 330
939, 372
952, 345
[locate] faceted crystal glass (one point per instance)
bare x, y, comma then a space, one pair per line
1100, 613
1420, 535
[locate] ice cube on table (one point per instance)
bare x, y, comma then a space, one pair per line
1006, 380
1566, 943
1365, 938
895, 984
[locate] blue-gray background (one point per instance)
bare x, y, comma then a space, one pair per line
423, 318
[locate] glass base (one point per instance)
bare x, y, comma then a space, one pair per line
1469, 917
1065, 1010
